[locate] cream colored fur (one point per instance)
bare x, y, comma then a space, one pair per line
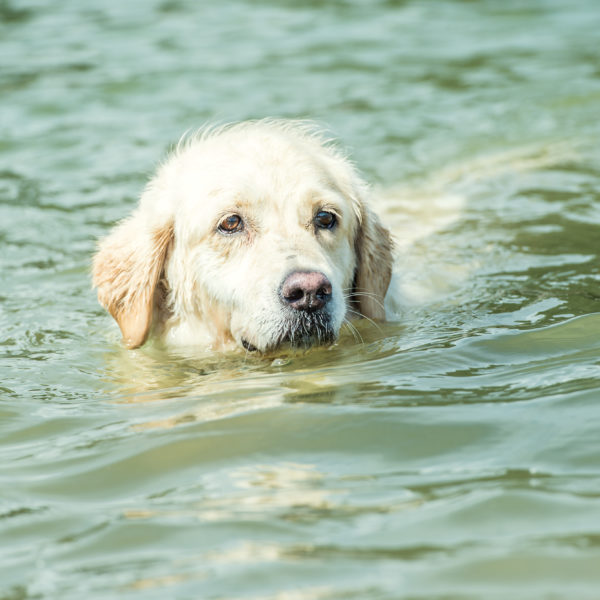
168, 269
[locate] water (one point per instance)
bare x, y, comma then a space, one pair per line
452, 454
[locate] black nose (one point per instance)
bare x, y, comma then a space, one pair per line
306, 290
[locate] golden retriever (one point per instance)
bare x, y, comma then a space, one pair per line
254, 235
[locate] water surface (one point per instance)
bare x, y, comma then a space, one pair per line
454, 453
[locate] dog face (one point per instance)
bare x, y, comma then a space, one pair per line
255, 236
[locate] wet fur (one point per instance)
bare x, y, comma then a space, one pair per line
159, 269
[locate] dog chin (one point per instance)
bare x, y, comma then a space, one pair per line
301, 331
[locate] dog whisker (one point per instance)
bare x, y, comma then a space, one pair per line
353, 330
372, 297
369, 320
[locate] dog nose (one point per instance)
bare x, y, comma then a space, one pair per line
306, 290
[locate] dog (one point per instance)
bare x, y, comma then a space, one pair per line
256, 235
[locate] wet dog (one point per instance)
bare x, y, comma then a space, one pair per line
255, 235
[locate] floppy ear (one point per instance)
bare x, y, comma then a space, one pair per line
373, 245
126, 270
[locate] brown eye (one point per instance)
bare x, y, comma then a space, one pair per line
231, 224
325, 219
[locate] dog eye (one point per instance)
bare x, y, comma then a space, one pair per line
325, 219
231, 224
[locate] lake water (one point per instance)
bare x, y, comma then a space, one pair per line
452, 454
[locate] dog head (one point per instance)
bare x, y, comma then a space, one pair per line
254, 235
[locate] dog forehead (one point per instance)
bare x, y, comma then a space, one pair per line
215, 183
273, 163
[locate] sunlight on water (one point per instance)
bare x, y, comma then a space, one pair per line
450, 453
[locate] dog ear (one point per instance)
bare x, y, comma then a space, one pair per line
126, 270
374, 246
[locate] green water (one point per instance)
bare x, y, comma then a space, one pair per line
452, 454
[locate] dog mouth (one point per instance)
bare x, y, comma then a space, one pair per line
298, 331
248, 346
